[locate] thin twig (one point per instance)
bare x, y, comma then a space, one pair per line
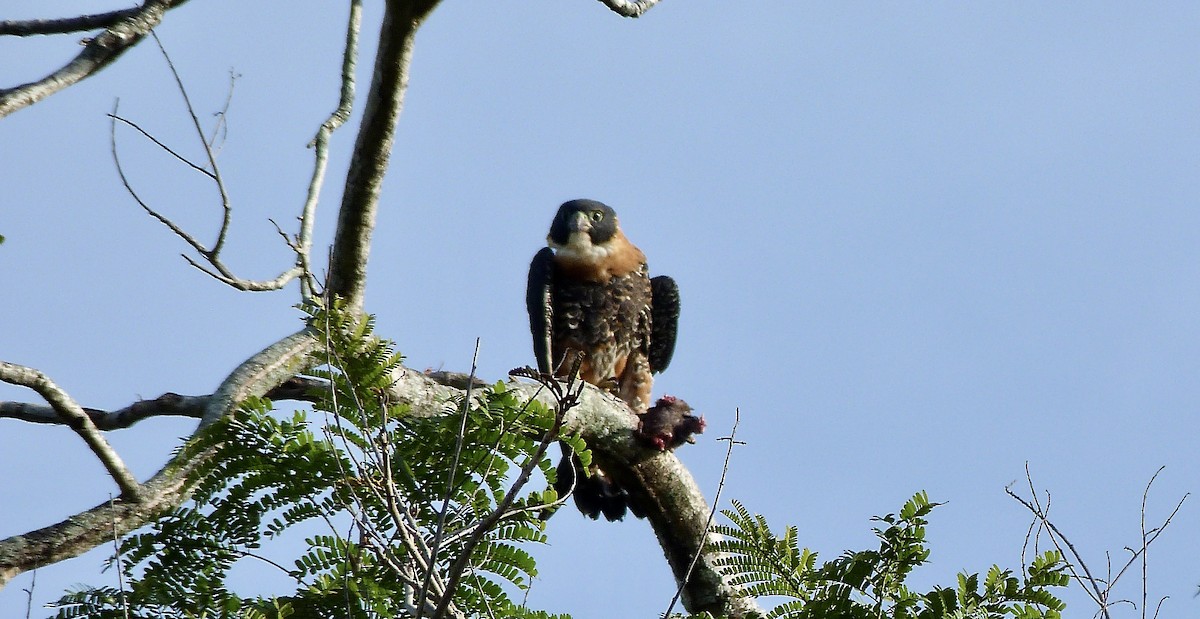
29, 595
112, 140
159, 144
221, 127
444, 512
227, 218
568, 398
219, 271
712, 513
409, 539
1145, 542
1098, 596
1100, 590
120, 568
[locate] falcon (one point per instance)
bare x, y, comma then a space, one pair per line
590, 291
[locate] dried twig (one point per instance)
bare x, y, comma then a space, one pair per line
1100, 590
444, 512
120, 568
221, 127
212, 172
29, 595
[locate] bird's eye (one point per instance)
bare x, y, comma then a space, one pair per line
597, 215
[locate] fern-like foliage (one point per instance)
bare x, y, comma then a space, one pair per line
373, 477
870, 584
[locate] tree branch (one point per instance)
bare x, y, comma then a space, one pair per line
73, 416
369, 161
220, 272
169, 487
658, 481
29, 27
124, 32
674, 504
628, 8
320, 144
165, 405
82, 532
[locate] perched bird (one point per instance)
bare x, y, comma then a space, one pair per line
669, 424
590, 291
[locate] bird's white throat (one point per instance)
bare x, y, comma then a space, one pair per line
579, 248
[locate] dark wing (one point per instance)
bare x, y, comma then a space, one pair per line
664, 318
540, 305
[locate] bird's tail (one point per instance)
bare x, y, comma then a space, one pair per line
594, 492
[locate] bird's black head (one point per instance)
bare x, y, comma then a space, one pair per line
597, 219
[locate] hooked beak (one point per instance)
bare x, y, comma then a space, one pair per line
579, 223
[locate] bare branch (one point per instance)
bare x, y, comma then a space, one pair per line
372, 148
148, 136
567, 399
628, 8
226, 207
112, 141
116, 539
124, 33
1090, 585
166, 405
78, 420
64, 25
169, 487
29, 595
320, 145
222, 273
84, 531
1100, 590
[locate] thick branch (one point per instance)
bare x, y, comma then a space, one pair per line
104, 48
83, 532
674, 505
369, 161
169, 487
659, 482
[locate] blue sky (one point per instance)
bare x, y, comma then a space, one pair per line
919, 245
